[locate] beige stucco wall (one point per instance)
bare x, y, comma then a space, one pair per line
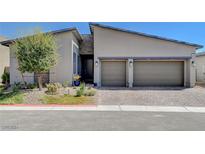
111, 43
190, 73
200, 68
61, 72
4, 57
129, 73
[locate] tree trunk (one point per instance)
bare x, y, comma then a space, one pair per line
23, 80
39, 79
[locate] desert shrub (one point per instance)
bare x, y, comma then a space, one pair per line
16, 87
65, 84
58, 85
52, 88
90, 92
82, 87
80, 91
31, 85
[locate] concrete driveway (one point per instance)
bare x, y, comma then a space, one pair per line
169, 96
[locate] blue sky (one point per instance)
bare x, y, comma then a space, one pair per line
185, 31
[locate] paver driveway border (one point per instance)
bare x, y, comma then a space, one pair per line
122, 108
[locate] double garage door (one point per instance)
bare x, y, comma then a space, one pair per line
145, 73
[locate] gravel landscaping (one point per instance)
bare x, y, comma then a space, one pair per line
152, 96
35, 96
65, 96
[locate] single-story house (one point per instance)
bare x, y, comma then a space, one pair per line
4, 58
200, 67
111, 56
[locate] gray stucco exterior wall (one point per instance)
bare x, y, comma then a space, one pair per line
110, 43
200, 68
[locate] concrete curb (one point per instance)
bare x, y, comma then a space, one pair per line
154, 108
108, 108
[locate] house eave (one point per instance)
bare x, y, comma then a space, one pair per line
145, 58
74, 30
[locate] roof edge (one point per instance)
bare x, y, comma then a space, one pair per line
144, 34
200, 54
74, 29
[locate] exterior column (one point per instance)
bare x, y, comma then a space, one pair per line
192, 71
97, 72
130, 73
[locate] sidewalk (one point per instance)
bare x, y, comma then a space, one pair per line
107, 108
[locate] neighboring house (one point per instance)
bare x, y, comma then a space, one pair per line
200, 67
4, 57
116, 57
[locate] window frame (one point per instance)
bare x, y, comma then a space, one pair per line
76, 58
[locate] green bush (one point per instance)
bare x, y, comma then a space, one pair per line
52, 88
31, 86
82, 87
16, 87
5, 78
1, 89
90, 92
80, 91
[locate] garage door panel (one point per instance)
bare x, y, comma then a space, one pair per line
113, 73
158, 73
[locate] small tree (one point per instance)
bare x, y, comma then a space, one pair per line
36, 54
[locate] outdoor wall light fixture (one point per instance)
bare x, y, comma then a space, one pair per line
96, 63
193, 63
130, 62
193, 54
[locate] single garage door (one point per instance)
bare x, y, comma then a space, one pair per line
158, 73
113, 73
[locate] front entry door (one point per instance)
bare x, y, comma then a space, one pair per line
87, 68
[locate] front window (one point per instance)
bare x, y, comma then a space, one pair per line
79, 65
74, 63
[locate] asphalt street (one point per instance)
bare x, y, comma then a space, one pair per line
100, 121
